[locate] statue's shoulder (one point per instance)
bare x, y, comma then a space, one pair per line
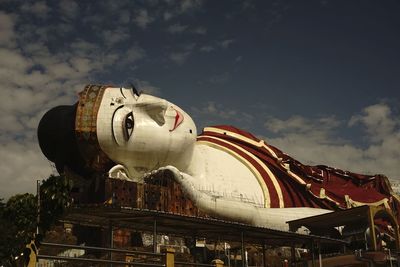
228, 131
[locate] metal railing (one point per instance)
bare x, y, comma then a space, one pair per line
72, 259
165, 259
152, 259
101, 249
194, 264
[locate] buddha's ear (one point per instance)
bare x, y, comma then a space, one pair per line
155, 109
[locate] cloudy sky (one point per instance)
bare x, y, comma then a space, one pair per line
318, 79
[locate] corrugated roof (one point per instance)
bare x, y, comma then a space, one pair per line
185, 226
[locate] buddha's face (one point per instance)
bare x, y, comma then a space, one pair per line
143, 132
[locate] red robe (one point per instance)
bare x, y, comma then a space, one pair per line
292, 184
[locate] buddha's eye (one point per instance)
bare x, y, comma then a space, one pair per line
128, 126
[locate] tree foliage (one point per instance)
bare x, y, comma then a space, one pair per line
54, 199
21, 209
7, 230
17, 225
18, 216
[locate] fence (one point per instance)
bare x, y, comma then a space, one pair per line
130, 258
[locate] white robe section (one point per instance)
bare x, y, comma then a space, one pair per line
219, 174
227, 208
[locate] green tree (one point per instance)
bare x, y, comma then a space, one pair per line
8, 244
7, 230
21, 209
17, 225
54, 199
18, 217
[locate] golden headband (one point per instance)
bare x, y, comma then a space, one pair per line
85, 127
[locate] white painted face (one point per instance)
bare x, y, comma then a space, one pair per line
144, 133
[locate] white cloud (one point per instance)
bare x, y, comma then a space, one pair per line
248, 5
124, 16
21, 167
147, 88
200, 30
39, 8
135, 53
81, 65
215, 110
181, 7
220, 78
212, 113
177, 28
226, 43
69, 8
316, 141
12, 60
142, 18
132, 54
189, 46
217, 45
167, 15
9, 124
186, 5
320, 128
207, 48
47, 69
82, 47
7, 36
378, 120
115, 36
34, 79
179, 57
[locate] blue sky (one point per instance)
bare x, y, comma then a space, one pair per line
318, 79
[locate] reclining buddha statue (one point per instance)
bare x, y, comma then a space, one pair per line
228, 173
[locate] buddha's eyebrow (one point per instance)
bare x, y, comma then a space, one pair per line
134, 90
112, 122
122, 93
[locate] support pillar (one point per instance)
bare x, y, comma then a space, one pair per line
243, 248
292, 254
169, 257
218, 263
38, 207
111, 230
372, 229
319, 254
155, 236
313, 252
264, 255
228, 254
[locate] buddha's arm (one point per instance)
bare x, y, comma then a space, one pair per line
235, 210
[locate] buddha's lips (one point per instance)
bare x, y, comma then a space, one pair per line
178, 120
